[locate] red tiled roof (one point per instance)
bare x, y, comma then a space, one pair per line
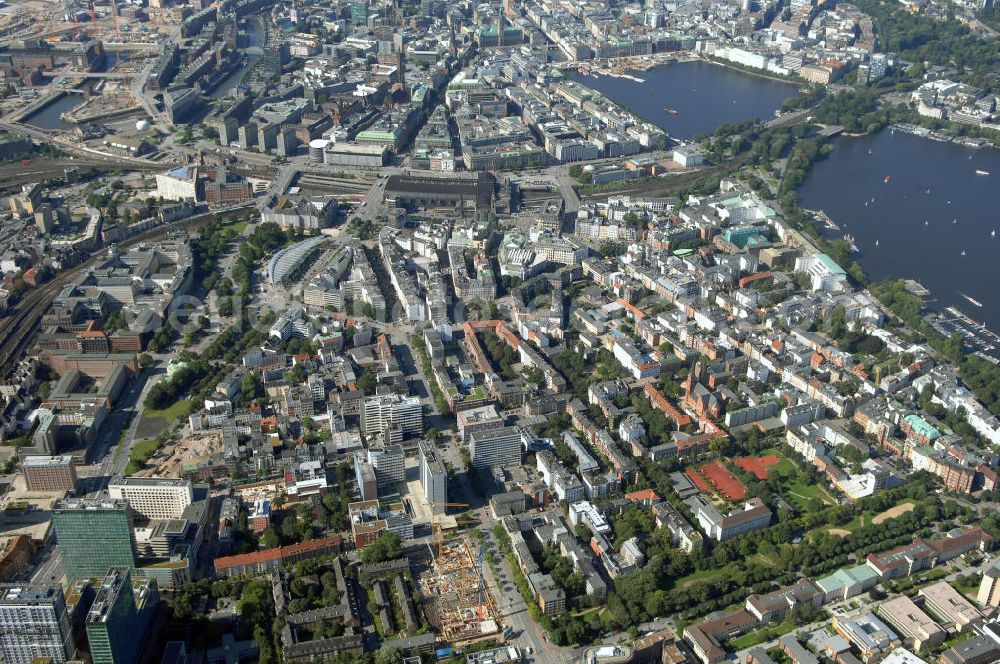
267, 555
643, 496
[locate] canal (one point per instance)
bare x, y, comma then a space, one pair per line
917, 209
254, 42
48, 117
703, 94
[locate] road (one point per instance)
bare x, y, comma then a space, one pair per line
511, 606
115, 460
49, 569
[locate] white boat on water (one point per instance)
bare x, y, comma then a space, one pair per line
971, 299
979, 171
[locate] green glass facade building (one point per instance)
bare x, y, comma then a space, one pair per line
119, 618
94, 536
359, 13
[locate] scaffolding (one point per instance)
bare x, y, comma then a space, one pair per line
464, 610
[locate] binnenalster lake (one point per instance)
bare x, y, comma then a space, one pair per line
704, 95
934, 220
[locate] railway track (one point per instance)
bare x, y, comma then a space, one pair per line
19, 326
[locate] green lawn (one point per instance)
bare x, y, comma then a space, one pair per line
784, 467
176, 411
967, 584
761, 635
799, 494
697, 575
237, 226
141, 451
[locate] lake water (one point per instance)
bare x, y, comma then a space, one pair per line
48, 117
933, 208
704, 95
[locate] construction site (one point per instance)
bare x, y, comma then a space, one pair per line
116, 24
457, 602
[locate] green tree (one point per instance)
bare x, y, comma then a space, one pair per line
250, 388
386, 547
388, 656
269, 538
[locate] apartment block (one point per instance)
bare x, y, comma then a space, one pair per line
34, 624
119, 617
976, 650
94, 535
393, 416
477, 419
950, 606
751, 516
867, 633
496, 447
389, 465
774, 605
989, 587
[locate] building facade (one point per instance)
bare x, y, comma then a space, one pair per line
433, 477
34, 624
94, 535
153, 498
49, 473
496, 447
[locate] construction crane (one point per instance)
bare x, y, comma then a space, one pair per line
440, 532
114, 19
93, 20
479, 573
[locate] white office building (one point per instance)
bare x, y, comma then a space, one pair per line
433, 477
394, 416
495, 447
389, 463
153, 498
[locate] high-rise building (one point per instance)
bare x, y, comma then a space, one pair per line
495, 447
152, 497
359, 13
389, 463
365, 476
477, 419
393, 416
34, 624
49, 473
119, 617
433, 477
94, 535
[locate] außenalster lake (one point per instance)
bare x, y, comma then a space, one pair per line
933, 220
703, 94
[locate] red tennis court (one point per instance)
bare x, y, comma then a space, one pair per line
698, 480
757, 465
724, 481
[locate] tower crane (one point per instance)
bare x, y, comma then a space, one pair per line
440, 532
